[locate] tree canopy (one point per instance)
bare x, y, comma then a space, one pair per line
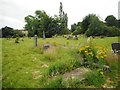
92, 26
50, 25
8, 32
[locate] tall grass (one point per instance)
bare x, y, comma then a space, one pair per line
20, 62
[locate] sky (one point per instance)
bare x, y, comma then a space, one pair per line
13, 12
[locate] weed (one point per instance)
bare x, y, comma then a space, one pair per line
73, 82
95, 78
17, 40
57, 82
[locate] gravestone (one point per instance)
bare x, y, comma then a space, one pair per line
116, 47
43, 34
75, 37
35, 40
69, 37
106, 69
46, 46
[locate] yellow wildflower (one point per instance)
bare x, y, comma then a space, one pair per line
87, 46
101, 73
86, 51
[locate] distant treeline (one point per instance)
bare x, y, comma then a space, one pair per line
93, 26
8, 32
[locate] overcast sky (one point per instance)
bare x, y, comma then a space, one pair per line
12, 12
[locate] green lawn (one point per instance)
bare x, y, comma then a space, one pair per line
24, 66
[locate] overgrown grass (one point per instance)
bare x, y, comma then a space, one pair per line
26, 66
95, 78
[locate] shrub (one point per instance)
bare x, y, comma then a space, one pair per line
57, 82
95, 78
17, 40
62, 67
58, 68
73, 82
92, 54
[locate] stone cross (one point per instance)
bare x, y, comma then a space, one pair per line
35, 40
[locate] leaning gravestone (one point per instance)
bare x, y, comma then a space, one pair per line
116, 47
35, 40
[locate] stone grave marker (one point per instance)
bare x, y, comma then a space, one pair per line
46, 46
35, 40
75, 37
43, 34
116, 47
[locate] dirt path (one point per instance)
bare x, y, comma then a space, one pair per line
77, 73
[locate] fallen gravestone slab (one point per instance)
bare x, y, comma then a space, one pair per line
77, 73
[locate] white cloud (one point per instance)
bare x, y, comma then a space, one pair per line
16, 10
11, 22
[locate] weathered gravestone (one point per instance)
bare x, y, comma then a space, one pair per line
46, 46
116, 47
35, 40
75, 37
43, 34
69, 37
106, 69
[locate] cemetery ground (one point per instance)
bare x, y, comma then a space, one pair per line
26, 66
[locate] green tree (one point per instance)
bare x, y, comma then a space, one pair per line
111, 20
29, 25
41, 22
63, 20
95, 27
7, 31
77, 31
86, 23
73, 27
118, 23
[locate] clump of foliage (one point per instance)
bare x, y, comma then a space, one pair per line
17, 40
62, 67
95, 78
57, 82
8, 32
73, 82
92, 54
91, 25
43, 22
